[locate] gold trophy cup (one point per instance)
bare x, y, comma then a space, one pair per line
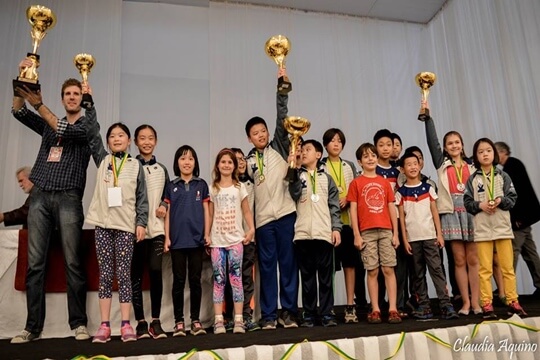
297, 127
41, 19
84, 63
277, 48
425, 80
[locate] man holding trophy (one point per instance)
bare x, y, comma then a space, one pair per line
59, 177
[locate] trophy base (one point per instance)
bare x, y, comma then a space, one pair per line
284, 85
292, 175
33, 86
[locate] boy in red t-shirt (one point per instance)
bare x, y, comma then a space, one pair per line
374, 223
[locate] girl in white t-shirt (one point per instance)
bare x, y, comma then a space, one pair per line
228, 208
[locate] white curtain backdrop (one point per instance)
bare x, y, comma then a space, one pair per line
199, 73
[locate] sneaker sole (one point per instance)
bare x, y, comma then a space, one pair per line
239, 331
82, 338
129, 339
219, 332
179, 334
351, 321
198, 332
99, 341
160, 336
145, 336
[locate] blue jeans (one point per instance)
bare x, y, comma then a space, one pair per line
50, 210
276, 248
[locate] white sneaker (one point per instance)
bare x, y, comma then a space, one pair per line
81, 333
24, 337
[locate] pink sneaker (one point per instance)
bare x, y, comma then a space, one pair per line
102, 335
127, 333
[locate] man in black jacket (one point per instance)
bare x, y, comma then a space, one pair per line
524, 214
19, 216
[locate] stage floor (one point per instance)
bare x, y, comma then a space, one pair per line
68, 348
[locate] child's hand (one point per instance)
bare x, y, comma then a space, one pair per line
207, 240
161, 212
408, 247
489, 209
140, 233
336, 238
395, 241
248, 237
440, 241
166, 245
343, 203
359, 243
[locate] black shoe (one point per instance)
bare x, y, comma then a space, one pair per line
142, 330
307, 321
329, 321
156, 331
286, 320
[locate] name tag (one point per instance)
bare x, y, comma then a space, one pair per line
115, 196
55, 154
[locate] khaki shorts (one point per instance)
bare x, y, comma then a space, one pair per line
378, 249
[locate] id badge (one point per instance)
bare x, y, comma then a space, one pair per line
115, 196
55, 154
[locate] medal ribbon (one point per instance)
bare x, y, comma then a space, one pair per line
117, 169
313, 180
260, 162
338, 176
491, 185
459, 174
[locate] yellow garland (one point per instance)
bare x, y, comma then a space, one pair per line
340, 352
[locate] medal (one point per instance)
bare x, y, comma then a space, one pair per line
313, 180
489, 183
314, 198
461, 187
260, 163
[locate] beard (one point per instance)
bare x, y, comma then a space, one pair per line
73, 111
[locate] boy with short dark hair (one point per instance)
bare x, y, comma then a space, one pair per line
384, 142
374, 223
275, 215
422, 237
317, 232
347, 257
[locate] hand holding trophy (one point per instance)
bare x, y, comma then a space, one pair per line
297, 127
425, 80
84, 63
277, 48
41, 19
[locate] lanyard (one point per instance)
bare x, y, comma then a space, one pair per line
260, 162
313, 180
491, 186
117, 169
338, 176
459, 172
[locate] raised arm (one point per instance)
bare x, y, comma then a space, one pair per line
437, 155
281, 141
91, 127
